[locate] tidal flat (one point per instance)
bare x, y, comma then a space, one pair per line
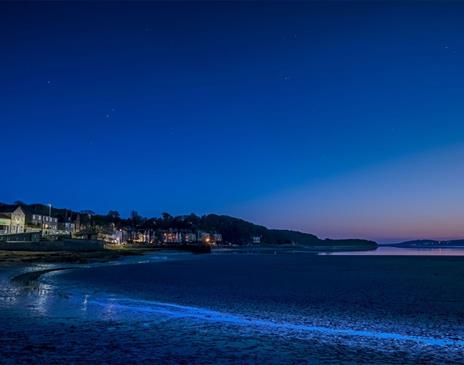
241, 308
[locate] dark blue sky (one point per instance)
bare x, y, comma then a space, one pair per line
337, 119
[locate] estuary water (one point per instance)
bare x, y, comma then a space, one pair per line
233, 308
403, 251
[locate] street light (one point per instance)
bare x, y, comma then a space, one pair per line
49, 214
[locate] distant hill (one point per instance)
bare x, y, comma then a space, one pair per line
239, 231
233, 230
429, 243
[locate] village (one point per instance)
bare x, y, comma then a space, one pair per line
22, 224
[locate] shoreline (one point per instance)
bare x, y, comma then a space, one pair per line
79, 260
30, 278
13, 258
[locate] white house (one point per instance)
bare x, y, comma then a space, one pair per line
12, 219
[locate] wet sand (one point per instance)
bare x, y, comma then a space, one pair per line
239, 308
411, 288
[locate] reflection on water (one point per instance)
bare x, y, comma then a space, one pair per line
400, 251
39, 296
126, 306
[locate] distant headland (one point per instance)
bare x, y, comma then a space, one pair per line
425, 243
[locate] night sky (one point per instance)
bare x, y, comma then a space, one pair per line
343, 120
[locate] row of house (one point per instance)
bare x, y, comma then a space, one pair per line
174, 236
13, 219
164, 237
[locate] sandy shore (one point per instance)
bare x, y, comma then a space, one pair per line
11, 258
241, 308
417, 290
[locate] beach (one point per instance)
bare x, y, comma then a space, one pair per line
235, 308
14, 258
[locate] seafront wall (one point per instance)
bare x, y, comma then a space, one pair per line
61, 245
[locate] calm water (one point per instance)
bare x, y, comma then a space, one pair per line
239, 308
399, 251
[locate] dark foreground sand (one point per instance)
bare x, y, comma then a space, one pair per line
406, 296
415, 289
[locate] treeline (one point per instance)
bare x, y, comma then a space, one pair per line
233, 230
